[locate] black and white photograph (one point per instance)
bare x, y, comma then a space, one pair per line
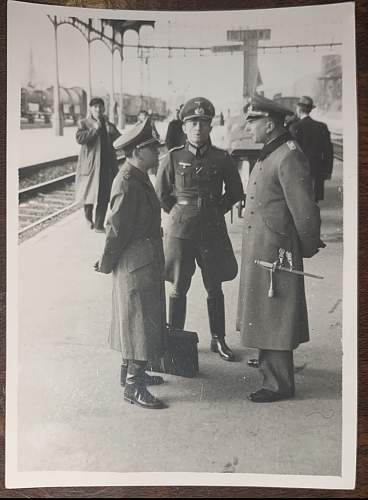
181, 247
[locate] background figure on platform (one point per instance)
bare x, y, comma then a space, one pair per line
134, 254
290, 120
281, 225
116, 113
97, 164
142, 116
314, 139
175, 135
189, 185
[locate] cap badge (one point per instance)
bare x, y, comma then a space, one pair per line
199, 109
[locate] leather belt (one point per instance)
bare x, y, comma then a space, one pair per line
187, 201
197, 202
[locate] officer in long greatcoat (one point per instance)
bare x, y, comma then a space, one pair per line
314, 139
189, 185
134, 254
97, 164
281, 224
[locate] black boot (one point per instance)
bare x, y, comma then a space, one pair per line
177, 312
148, 379
135, 390
216, 316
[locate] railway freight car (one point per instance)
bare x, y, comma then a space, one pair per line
35, 103
39, 104
133, 104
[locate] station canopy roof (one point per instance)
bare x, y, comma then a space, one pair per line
121, 26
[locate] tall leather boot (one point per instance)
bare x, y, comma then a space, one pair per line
177, 312
216, 316
135, 389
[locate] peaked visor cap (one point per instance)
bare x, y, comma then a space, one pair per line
198, 107
259, 107
140, 135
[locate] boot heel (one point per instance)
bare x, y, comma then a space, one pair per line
123, 375
214, 346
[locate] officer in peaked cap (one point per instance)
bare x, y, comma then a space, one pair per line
280, 216
134, 254
141, 135
189, 185
199, 107
259, 106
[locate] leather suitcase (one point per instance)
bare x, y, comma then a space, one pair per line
181, 357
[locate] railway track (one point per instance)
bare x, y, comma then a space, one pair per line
41, 202
338, 150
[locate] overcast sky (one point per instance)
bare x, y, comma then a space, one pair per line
216, 77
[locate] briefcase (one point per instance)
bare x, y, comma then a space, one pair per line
181, 357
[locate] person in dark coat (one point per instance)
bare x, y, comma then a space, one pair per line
142, 116
314, 139
134, 254
281, 225
189, 185
97, 164
175, 135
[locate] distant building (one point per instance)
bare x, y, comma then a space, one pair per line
330, 95
325, 87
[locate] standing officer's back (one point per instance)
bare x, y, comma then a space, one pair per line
190, 185
314, 139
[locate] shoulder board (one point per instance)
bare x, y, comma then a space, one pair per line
176, 147
291, 145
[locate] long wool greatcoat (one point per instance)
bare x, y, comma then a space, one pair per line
280, 212
134, 254
90, 161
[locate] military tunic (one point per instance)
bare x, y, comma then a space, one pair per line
189, 185
280, 212
134, 254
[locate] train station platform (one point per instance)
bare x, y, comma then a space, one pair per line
54, 148
72, 416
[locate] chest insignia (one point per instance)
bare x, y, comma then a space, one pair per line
184, 165
291, 145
